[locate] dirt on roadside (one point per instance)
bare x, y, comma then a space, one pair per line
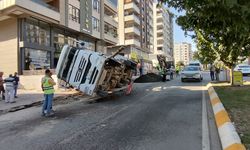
150, 77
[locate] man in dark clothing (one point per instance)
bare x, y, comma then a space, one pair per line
164, 74
1, 86
140, 69
16, 84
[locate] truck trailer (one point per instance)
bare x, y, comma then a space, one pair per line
95, 73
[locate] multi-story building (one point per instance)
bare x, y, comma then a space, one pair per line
135, 19
182, 52
163, 33
34, 31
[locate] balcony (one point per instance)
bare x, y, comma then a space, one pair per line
132, 18
159, 15
160, 39
159, 45
111, 20
159, 26
110, 5
110, 38
133, 30
132, 6
159, 31
133, 42
40, 9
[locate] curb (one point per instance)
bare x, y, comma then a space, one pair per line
37, 103
229, 137
20, 107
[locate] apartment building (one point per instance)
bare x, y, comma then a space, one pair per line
135, 29
34, 31
163, 33
183, 52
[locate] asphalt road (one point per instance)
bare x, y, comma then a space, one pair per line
156, 116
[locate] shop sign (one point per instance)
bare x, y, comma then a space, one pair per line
238, 78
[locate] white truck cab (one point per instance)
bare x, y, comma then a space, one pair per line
93, 72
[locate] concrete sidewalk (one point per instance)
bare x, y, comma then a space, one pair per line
27, 98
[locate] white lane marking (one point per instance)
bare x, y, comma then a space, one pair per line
228, 135
205, 130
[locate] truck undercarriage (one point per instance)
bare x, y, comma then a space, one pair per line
94, 73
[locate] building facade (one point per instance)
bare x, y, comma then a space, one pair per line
34, 31
135, 29
163, 33
183, 53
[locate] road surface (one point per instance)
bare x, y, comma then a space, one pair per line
156, 116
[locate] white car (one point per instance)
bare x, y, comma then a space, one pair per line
196, 63
244, 68
191, 73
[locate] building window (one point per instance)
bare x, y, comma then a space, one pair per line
96, 24
86, 22
37, 32
159, 48
36, 59
74, 14
96, 5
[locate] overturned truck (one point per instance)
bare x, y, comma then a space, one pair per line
94, 73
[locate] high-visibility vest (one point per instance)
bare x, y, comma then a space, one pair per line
47, 87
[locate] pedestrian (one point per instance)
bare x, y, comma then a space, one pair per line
9, 89
16, 77
177, 70
171, 72
217, 73
164, 74
140, 69
47, 85
212, 70
2, 91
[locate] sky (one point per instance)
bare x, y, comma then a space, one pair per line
179, 35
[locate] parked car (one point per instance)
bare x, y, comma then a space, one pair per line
244, 68
191, 73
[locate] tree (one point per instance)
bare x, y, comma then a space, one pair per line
219, 26
205, 54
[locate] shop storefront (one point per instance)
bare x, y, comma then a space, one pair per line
41, 44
